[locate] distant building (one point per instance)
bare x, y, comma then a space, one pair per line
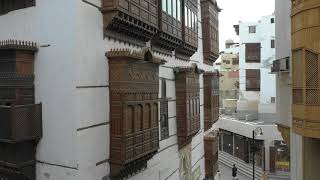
255, 107
256, 54
229, 80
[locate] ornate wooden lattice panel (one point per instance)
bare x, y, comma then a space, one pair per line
210, 30
134, 89
135, 18
189, 29
211, 100
188, 103
21, 119
17, 72
211, 142
305, 67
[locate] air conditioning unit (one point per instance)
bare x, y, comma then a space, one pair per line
280, 65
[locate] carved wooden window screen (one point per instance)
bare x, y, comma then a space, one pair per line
312, 78
134, 117
211, 156
305, 77
11, 5
253, 52
253, 79
297, 77
187, 105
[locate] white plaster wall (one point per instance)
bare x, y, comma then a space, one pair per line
51, 23
72, 83
283, 49
234, 49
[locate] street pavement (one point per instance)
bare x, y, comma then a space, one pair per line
226, 173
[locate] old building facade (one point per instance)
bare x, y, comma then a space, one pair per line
256, 54
120, 86
297, 85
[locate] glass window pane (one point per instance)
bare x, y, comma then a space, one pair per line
178, 10
195, 22
192, 20
189, 17
169, 7
174, 8
186, 15
164, 5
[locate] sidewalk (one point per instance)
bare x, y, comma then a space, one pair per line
226, 173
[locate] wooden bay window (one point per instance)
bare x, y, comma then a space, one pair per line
135, 19
211, 100
170, 27
189, 43
134, 89
188, 103
21, 119
210, 30
211, 142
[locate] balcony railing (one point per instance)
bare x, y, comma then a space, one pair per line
18, 123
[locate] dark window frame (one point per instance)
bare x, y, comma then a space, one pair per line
253, 80
164, 119
273, 43
252, 29
253, 52
272, 20
7, 6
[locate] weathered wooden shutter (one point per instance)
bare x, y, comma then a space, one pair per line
253, 79
253, 52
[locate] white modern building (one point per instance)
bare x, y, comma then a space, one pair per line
72, 83
256, 54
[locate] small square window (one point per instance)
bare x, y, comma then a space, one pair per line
252, 29
272, 20
272, 43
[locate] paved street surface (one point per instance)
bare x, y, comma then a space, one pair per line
226, 173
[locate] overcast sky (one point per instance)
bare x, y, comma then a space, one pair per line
234, 11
